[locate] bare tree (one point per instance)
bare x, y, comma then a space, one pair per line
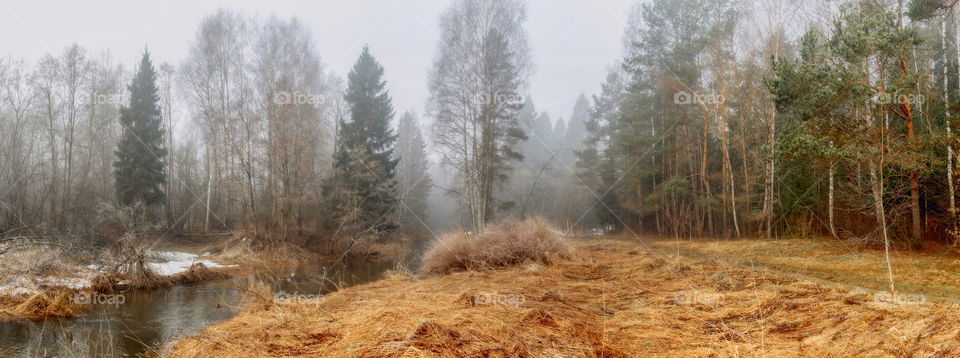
263, 100
291, 92
210, 81
478, 76
17, 144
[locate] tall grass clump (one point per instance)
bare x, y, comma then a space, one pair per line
508, 244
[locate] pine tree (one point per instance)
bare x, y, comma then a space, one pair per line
139, 168
413, 182
576, 127
364, 163
597, 162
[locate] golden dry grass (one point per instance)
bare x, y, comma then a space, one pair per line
934, 273
613, 299
504, 245
54, 302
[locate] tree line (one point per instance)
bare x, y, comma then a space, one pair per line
721, 118
270, 142
715, 123
251, 132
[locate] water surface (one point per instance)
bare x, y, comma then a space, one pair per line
148, 319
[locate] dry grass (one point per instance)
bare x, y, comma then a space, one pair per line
504, 245
56, 302
257, 295
36, 261
934, 273
105, 282
617, 299
277, 258
199, 272
36, 271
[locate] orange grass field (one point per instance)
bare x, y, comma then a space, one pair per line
934, 273
611, 299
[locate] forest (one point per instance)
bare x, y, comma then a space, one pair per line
729, 139
825, 131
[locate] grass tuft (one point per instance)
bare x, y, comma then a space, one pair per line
505, 245
53, 303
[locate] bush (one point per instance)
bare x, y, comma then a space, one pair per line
504, 245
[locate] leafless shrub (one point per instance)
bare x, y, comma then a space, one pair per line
128, 255
33, 251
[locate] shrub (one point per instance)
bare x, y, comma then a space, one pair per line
504, 245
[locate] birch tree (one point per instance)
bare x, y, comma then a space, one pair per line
476, 88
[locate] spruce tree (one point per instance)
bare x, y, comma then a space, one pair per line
139, 168
364, 163
576, 127
413, 180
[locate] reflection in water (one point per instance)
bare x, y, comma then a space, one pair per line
147, 320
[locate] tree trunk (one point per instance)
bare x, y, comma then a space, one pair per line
876, 181
768, 193
915, 205
833, 229
946, 100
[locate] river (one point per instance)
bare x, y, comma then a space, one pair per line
146, 320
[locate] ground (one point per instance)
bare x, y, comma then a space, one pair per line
624, 298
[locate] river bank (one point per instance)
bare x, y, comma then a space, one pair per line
72, 288
37, 283
135, 322
614, 299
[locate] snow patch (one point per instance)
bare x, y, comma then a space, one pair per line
166, 263
9, 290
84, 281
173, 256
177, 262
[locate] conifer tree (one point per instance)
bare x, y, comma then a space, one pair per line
364, 163
139, 167
413, 181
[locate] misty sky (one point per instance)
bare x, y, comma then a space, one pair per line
573, 42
